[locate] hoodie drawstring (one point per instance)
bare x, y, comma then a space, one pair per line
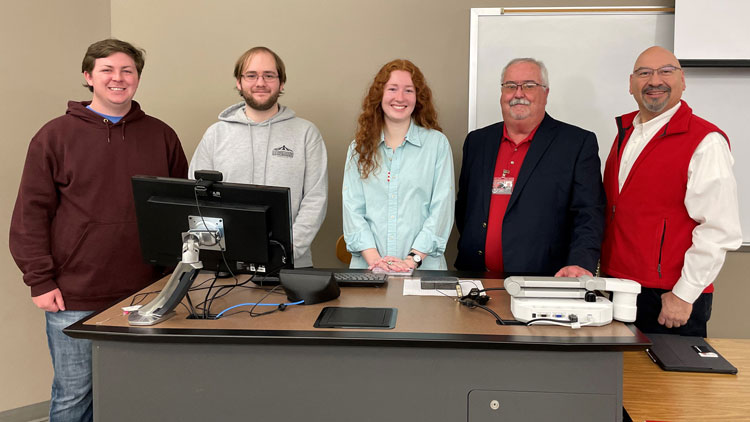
265, 159
109, 129
106, 123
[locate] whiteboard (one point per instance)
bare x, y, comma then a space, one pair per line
697, 35
589, 56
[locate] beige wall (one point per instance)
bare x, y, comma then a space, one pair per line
332, 49
731, 293
41, 47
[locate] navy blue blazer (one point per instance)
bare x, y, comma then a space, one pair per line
555, 216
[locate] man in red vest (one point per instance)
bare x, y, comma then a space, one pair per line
672, 208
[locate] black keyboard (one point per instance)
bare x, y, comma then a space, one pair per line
359, 279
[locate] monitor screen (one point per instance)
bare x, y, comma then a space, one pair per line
254, 223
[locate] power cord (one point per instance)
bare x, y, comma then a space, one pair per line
572, 322
475, 299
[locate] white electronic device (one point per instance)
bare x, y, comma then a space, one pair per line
571, 300
547, 311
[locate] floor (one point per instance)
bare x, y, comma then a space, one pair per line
32, 413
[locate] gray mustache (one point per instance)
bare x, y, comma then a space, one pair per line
522, 101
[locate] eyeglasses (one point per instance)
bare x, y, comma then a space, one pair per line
253, 77
647, 72
525, 86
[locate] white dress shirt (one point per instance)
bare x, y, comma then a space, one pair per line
710, 200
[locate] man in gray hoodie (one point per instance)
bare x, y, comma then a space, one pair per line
261, 142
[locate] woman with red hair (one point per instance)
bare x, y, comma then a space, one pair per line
398, 192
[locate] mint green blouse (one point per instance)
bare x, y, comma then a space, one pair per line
406, 203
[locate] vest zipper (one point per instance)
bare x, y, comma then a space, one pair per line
661, 247
613, 213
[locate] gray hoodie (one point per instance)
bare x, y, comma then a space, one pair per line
284, 150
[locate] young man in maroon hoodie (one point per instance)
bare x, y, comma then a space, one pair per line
73, 232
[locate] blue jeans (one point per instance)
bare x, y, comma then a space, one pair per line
71, 360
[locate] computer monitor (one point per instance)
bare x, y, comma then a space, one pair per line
206, 225
254, 223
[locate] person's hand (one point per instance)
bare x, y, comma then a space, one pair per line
400, 265
373, 259
572, 271
675, 312
380, 264
51, 301
391, 264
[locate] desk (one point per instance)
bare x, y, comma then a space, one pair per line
442, 362
653, 394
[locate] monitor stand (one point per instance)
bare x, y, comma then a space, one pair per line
162, 307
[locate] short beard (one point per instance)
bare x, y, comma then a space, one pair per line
516, 101
250, 101
656, 107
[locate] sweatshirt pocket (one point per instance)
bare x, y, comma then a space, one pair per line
105, 262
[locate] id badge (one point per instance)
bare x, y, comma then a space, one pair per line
502, 185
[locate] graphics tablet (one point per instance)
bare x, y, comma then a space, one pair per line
687, 354
370, 318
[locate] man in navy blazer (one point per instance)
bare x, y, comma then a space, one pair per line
530, 196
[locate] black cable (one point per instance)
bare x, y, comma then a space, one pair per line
254, 314
208, 292
473, 293
223, 256
474, 299
133, 301
216, 292
470, 303
270, 272
283, 251
144, 294
261, 300
191, 310
572, 319
216, 239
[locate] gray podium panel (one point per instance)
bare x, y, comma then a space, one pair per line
199, 382
533, 406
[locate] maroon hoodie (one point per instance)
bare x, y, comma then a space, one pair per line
74, 225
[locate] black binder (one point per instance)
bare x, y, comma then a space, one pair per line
687, 354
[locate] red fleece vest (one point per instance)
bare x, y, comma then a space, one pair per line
648, 227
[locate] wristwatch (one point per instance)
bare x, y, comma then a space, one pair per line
417, 259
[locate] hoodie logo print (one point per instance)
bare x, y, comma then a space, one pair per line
283, 151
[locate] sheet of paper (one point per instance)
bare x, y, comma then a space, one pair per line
413, 287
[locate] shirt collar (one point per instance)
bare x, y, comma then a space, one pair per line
412, 135
526, 139
657, 121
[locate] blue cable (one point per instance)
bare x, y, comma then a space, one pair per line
256, 304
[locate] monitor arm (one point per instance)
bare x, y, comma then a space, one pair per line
162, 306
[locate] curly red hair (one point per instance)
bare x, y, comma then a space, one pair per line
371, 121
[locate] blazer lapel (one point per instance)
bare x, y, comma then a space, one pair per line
539, 145
490, 150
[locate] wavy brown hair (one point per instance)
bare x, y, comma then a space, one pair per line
371, 121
